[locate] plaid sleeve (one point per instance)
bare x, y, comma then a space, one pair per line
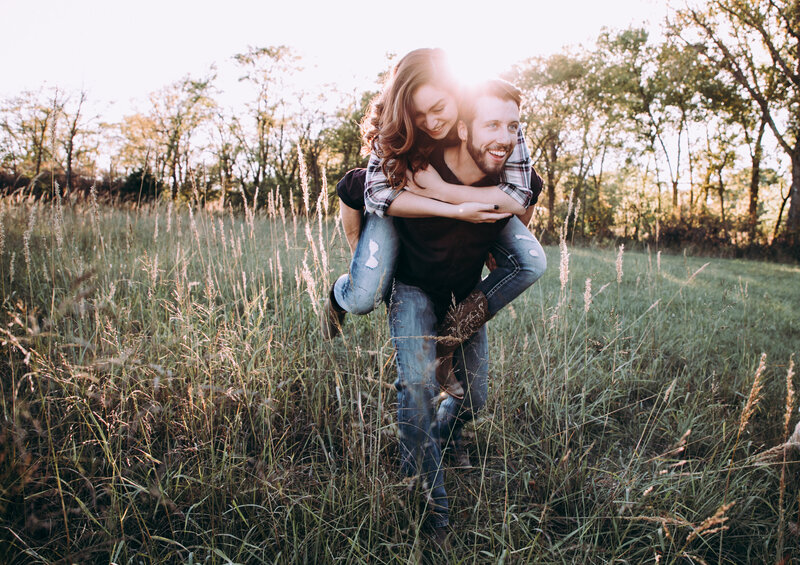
378, 193
515, 178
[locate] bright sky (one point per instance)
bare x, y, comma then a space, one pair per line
120, 51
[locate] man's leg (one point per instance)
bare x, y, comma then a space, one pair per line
364, 286
471, 368
412, 322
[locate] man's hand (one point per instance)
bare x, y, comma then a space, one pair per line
479, 213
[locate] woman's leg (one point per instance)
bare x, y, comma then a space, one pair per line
364, 286
520, 262
371, 269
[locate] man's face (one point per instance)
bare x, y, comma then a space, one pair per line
493, 134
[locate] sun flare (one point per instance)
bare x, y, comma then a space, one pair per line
472, 65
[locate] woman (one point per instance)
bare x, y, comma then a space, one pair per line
417, 109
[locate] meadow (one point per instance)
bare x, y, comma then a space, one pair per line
167, 398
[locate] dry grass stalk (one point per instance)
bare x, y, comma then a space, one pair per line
563, 268
619, 263
787, 415
2, 231
26, 237
325, 190
587, 295
712, 524
301, 160
169, 216
755, 394
311, 286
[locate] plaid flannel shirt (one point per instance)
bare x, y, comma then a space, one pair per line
515, 180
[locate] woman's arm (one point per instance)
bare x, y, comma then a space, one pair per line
526, 217
378, 193
429, 184
351, 223
410, 205
513, 193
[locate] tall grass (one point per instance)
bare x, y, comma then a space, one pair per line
166, 397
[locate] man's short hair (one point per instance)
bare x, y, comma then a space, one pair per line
495, 87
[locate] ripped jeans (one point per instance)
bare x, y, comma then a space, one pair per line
519, 256
422, 429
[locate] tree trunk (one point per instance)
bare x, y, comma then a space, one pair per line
755, 177
793, 217
721, 193
675, 209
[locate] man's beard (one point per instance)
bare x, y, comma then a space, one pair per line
482, 159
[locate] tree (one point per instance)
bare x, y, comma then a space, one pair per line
757, 42
74, 127
550, 90
178, 111
27, 122
265, 69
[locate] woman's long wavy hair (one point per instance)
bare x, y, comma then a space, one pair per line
388, 128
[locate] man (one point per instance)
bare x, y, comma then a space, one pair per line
439, 264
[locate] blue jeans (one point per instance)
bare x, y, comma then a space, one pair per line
519, 257
372, 267
520, 262
421, 429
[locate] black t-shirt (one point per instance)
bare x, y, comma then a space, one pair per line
351, 188
442, 256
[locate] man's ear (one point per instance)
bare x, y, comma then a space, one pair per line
462, 130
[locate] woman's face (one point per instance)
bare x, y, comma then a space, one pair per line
435, 110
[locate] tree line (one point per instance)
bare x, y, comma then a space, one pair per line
691, 138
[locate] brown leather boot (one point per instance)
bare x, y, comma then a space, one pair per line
332, 317
459, 324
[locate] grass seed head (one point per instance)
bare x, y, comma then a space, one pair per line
563, 268
755, 394
587, 295
787, 415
